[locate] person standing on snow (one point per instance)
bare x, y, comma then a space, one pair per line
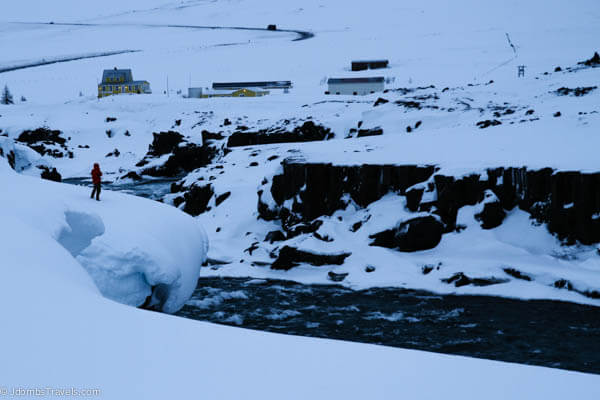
96, 180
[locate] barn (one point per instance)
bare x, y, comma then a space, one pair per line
369, 64
355, 86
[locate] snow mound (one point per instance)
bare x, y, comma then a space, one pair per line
137, 251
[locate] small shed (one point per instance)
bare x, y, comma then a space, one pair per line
194, 92
355, 86
369, 64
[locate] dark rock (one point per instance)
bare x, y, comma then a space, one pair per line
132, 175
51, 174
290, 257
226, 122
127, 133
517, 274
206, 136
356, 226
164, 143
577, 92
308, 132
85, 146
40, 139
177, 201
197, 198
369, 268
221, 198
409, 104
252, 247
563, 284
184, 159
177, 122
425, 269
487, 123
408, 129
109, 133
275, 236
275, 157
41, 135
335, 277
379, 101
413, 199
370, 132
557, 69
418, 124
421, 233
557, 114
114, 153
176, 187
492, 214
253, 164
110, 119
592, 62
529, 112
461, 279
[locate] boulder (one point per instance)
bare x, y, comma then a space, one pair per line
275, 236
197, 199
164, 143
290, 257
421, 233
492, 214
51, 174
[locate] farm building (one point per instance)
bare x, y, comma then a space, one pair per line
117, 81
369, 64
355, 86
233, 93
259, 85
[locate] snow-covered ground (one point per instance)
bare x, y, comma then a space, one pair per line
130, 245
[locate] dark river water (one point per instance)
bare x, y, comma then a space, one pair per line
549, 333
538, 332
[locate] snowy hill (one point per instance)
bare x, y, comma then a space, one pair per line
497, 175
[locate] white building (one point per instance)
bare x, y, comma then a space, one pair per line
355, 86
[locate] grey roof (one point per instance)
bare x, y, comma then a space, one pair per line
263, 84
378, 79
370, 61
117, 73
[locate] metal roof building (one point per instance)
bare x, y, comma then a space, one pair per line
355, 86
369, 64
259, 84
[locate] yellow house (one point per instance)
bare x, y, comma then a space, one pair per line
117, 81
234, 93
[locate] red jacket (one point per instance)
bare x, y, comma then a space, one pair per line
96, 174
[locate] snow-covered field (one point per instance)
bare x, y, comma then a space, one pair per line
129, 246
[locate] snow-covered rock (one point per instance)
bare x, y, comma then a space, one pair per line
131, 247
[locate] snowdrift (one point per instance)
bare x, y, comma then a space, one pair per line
136, 251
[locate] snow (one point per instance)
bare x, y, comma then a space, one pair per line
122, 246
128, 245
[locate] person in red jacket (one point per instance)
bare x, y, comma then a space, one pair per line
96, 180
